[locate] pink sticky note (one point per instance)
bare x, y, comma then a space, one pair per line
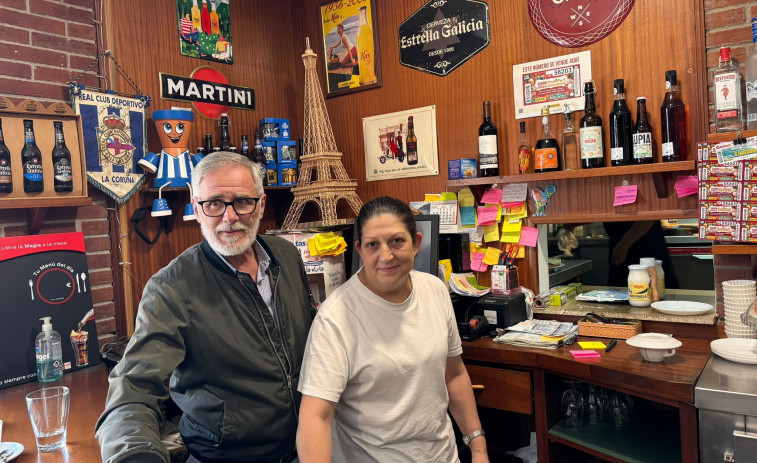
477, 262
528, 236
492, 196
687, 181
625, 195
487, 215
585, 354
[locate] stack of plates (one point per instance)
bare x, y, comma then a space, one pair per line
681, 307
736, 349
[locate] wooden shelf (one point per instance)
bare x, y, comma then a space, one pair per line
734, 249
280, 188
36, 203
656, 168
616, 217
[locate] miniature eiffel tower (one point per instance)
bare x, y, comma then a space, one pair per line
320, 158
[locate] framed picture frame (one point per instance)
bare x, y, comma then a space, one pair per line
205, 30
350, 46
401, 144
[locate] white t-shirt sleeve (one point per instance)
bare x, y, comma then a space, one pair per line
325, 368
453, 334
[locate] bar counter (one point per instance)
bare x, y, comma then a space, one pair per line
89, 387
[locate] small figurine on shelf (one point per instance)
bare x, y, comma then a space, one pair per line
174, 163
542, 197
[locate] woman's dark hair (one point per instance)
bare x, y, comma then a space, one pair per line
385, 205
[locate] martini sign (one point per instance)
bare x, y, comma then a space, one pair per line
443, 34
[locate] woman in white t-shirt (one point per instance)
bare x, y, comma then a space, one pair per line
382, 364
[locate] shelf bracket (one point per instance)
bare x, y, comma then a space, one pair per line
659, 184
34, 219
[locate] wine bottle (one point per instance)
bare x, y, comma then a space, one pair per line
547, 151
6, 177
621, 127
488, 158
31, 159
62, 180
643, 146
592, 152
525, 163
673, 121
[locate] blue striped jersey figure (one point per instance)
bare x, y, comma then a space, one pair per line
173, 166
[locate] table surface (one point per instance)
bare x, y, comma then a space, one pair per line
89, 387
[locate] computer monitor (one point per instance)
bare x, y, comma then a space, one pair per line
427, 259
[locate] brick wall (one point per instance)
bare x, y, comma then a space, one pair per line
727, 23
44, 45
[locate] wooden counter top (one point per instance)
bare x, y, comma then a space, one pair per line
88, 386
623, 369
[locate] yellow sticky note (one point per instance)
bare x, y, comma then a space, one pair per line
449, 196
510, 237
499, 212
592, 345
476, 248
492, 256
491, 232
511, 227
465, 198
432, 197
517, 212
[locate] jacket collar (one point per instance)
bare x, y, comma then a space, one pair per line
218, 263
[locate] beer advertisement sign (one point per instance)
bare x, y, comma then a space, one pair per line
45, 276
443, 34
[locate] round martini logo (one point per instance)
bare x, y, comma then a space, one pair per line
576, 24
208, 74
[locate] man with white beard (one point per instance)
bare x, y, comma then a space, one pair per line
221, 330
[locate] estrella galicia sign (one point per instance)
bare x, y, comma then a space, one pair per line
443, 34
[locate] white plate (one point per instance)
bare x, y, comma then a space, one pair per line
16, 451
654, 341
738, 350
681, 307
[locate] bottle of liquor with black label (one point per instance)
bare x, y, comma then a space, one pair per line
621, 127
6, 178
488, 157
673, 121
643, 146
225, 142
592, 151
31, 158
63, 182
412, 143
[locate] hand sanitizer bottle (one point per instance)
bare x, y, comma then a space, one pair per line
49, 353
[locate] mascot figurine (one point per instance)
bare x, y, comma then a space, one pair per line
174, 164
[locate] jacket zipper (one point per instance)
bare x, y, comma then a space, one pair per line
283, 344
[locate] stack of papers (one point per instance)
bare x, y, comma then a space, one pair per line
604, 295
545, 334
465, 284
326, 244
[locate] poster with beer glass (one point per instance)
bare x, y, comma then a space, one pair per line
45, 276
350, 44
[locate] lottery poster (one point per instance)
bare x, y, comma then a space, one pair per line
552, 82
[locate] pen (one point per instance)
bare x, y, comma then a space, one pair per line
610, 346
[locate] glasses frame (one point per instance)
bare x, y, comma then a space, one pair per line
226, 205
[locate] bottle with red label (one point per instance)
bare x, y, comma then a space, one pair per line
547, 150
726, 81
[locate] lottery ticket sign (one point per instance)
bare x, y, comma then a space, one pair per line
552, 82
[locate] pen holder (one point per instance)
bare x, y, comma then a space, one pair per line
505, 280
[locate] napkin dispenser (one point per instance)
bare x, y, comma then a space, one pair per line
501, 311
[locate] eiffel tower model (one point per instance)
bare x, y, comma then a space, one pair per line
323, 179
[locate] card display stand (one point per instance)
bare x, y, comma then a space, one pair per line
43, 116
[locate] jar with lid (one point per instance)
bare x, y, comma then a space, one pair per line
639, 288
657, 264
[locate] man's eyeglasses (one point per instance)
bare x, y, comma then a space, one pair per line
217, 208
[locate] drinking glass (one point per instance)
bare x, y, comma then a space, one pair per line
573, 405
621, 410
48, 412
595, 407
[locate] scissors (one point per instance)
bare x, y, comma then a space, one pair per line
509, 254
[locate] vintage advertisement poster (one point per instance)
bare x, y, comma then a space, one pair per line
113, 129
401, 144
205, 29
45, 276
351, 46
552, 82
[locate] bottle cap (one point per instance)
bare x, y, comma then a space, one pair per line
725, 54
46, 325
522, 126
619, 86
670, 77
640, 98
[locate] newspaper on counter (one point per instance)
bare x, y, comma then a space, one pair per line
543, 327
544, 334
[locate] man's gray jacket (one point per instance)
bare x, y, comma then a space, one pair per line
233, 372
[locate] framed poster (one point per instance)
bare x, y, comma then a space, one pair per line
351, 46
401, 144
205, 29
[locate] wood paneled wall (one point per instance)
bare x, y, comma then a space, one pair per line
268, 40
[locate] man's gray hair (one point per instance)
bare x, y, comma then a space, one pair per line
224, 159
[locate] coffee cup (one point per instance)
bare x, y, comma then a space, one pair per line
655, 355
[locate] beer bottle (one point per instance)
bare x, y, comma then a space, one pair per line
31, 159
225, 142
63, 181
412, 143
208, 144
6, 179
590, 134
643, 145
